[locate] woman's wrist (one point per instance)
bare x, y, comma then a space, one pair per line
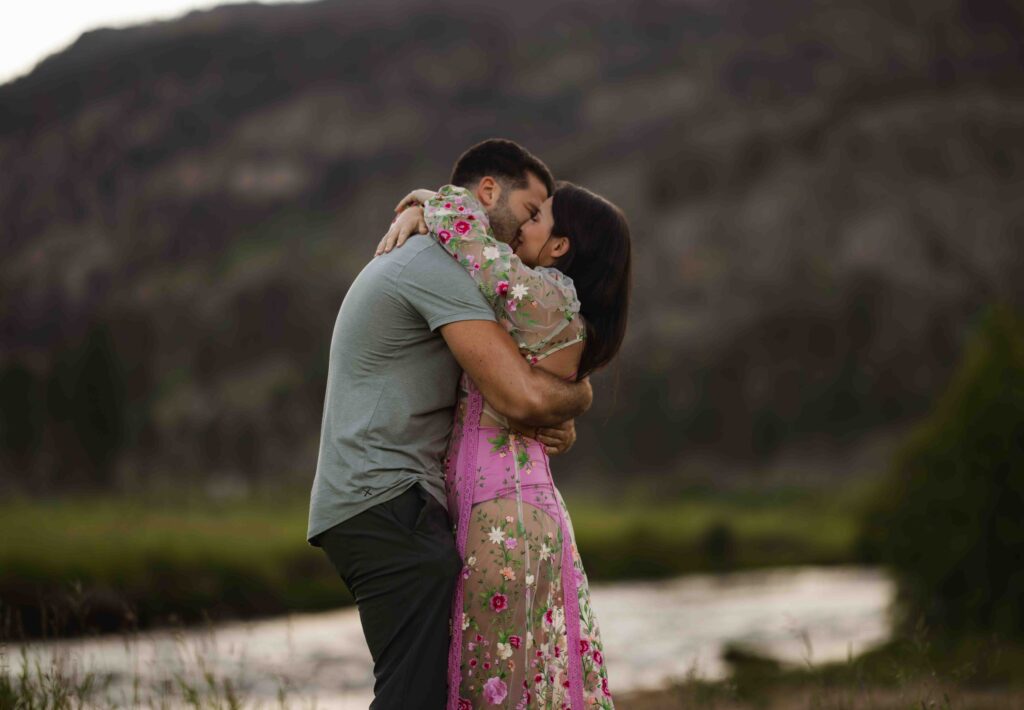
424, 196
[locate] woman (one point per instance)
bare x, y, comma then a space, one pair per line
524, 634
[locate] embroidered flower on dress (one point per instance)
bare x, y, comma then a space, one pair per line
465, 621
463, 227
545, 552
501, 288
504, 651
515, 641
519, 290
445, 236
511, 543
530, 579
492, 253
508, 573
499, 602
598, 657
497, 535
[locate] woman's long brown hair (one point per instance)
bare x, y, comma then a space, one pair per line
599, 263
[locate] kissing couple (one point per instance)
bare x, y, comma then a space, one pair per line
459, 360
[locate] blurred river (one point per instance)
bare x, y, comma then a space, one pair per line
653, 633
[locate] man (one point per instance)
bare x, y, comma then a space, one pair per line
411, 322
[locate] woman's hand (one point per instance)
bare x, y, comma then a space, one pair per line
416, 197
408, 222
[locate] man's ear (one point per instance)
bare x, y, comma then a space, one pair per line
488, 191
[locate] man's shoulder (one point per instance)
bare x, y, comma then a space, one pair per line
422, 276
425, 257
419, 266
389, 268
432, 276
421, 269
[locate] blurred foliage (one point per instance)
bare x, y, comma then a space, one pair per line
949, 520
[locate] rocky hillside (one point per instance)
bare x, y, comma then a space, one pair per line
822, 197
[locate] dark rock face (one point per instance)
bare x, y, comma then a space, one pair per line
822, 195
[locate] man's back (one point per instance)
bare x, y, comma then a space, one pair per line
391, 383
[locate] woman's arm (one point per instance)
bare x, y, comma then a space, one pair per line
534, 305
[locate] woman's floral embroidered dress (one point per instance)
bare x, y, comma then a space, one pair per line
524, 633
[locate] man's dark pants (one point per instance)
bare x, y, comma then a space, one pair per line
400, 562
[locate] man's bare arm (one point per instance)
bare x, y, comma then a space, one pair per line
526, 394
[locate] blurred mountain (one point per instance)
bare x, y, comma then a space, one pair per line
822, 196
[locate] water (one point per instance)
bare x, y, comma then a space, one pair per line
653, 633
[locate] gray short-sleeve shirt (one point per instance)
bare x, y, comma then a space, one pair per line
391, 382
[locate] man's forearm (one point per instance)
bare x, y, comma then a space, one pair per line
556, 399
522, 393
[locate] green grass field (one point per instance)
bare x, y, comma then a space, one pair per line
708, 532
105, 564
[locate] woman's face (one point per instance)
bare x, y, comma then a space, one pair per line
533, 243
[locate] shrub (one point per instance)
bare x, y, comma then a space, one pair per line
949, 520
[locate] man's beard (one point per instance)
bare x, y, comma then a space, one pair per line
503, 223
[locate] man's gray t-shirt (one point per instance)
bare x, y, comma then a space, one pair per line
391, 383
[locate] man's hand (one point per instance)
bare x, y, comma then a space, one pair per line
559, 439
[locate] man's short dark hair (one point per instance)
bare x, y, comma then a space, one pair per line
500, 159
